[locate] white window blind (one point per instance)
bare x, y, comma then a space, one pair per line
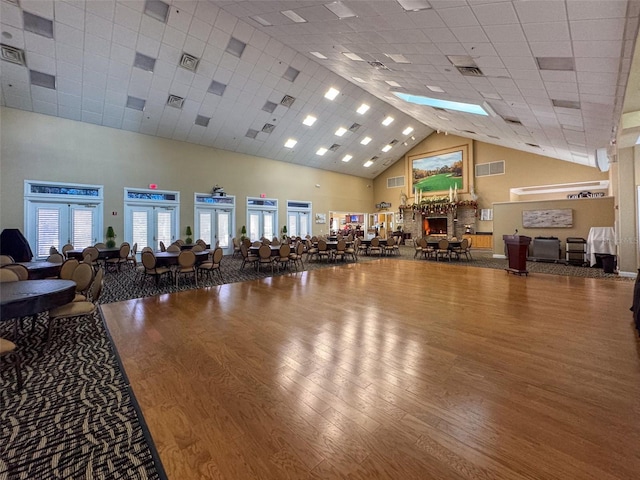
293, 226
205, 227
268, 225
48, 233
254, 227
164, 228
223, 230
304, 224
140, 226
82, 228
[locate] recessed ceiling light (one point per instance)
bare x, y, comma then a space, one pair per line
136, 103
269, 106
368, 163
36, 24
341, 131
235, 47
365, 140
347, 157
398, 57
290, 14
291, 74
565, 64
392, 83
251, 133
309, 120
434, 88
362, 109
321, 151
202, 120
407, 131
319, 55
359, 80
565, 103
387, 121
386, 148
340, 10
353, 56
332, 93
437, 103
414, 5
261, 21
290, 143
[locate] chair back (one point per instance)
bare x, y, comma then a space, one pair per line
83, 276
66, 248
55, 258
96, 286
423, 242
264, 252
20, 270
342, 245
173, 248
202, 243
8, 275
300, 248
197, 248
322, 244
179, 242
285, 250
68, 267
146, 249
244, 250
391, 241
375, 242
464, 244
443, 244
217, 255
125, 248
92, 252
53, 250
6, 260
100, 245
186, 259
148, 260
134, 249
247, 242
162, 247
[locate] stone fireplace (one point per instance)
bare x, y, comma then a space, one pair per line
451, 223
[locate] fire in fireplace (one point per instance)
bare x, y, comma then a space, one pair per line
435, 225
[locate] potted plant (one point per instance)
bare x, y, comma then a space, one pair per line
243, 233
111, 235
284, 232
188, 232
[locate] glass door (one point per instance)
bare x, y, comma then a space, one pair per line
149, 225
298, 224
214, 226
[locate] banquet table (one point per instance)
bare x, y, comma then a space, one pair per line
40, 270
28, 297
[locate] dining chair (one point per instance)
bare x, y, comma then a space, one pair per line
322, 249
90, 255
75, 310
162, 247
312, 250
236, 247
247, 256
283, 260
67, 269
351, 249
264, 257
362, 247
462, 249
340, 251
100, 245
173, 248
197, 248
55, 258
247, 242
179, 242
122, 258
53, 250
443, 249
66, 248
296, 255
388, 248
132, 255
186, 265
83, 276
7, 275
374, 247
8, 352
20, 270
6, 260
151, 268
201, 243
212, 264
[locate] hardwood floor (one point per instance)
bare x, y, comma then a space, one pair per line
389, 370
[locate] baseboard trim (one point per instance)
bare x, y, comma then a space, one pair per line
499, 255
628, 274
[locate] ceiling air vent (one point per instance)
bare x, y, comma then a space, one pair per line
512, 120
287, 100
175, 101
334, 147
378, 65
136, 103
202, 121
393, 142
532, 145
470, 71
268, 127
269, 106
12, 54
251, 133
189, 62
144, 62
157, 9
354, 127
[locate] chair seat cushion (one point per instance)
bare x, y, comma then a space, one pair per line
6, 346
72, 309
79, 298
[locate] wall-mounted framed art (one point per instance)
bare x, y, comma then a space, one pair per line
439, 172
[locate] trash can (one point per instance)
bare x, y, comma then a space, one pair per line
608, 262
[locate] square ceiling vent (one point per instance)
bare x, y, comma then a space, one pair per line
287, 100
268, 127
157, 9
202, 120
12, 54
189, 62
251, 133
175, 101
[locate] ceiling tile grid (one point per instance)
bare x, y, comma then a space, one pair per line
247, 53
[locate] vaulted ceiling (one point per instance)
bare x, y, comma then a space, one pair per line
247, 76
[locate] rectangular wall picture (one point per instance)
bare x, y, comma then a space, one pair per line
437, 173
560, 218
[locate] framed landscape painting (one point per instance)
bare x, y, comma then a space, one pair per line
437, 173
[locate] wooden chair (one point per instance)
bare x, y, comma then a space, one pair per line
443, 249
66, 248
8, 352
312, 251
323, 252
121, 259
20, 270
212, 264
198, 248
186, 265
352, 250
74, 310
6, 260
55, 258
173, 248
151, 268
374, 247
90, 255
247, 257
463, 249
236, 247
340, 251
83, 277
264, 257
296, 255
283, 260
67, 269
389, 247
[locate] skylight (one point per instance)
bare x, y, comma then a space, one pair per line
341, 131
407, 131
387, 121
365, 140
437, 103
347, 157
332, 93
362, 109
397, 57
309, 120
414, 5
321, 151
290, 143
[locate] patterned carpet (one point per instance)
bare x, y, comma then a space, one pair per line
76, 416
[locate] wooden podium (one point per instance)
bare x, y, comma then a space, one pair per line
517, 247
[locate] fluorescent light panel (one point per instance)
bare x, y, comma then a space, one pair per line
362, 109
359, 80
290, 143
368, 163
365, 140
392, 83
353, 56
341, 131
261, 21
414, 5
340, 10
347, 157
291, 15
437, 103
318, 55
434, 88
407, 131
309, 120
386, 148
321, 151
387, 121
398, 57
563, 64
332, 93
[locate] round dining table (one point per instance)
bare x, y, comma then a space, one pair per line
103, 253
28, 297
171, 258
39, 270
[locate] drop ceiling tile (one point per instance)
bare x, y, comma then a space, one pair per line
609, 65
127, 17
179, 19
98, 26
43, 94
174, 37
603, 49
44, 9
540, 11
69, 54
601, 29
551, 49
206, 12
200, 29
96, 64
11, 15
95, 79
97, 46
470, 35
72, 113
495, 14
124, 36
458, 17
89, 105
558, 76
225, 22
119, 70
39, 44
586, 9
439, 35
169, 54
547, 32
45, 108
42, 64
67, 86
19, 102
151, 28
68, 35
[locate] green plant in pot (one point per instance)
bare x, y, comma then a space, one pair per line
243, 233
188, 232
111, 236
284, 232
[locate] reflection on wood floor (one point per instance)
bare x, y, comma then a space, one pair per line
390, 370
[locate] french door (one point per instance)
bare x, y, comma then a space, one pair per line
298, 224
214, 225
52, 224
262, 223
149, 225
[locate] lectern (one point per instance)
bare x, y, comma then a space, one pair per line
517, 247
